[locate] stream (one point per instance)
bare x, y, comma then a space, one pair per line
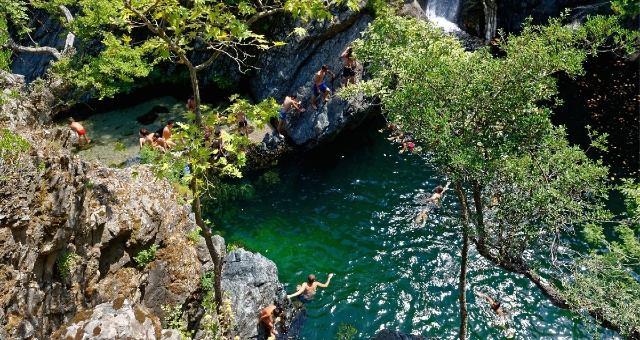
350, 210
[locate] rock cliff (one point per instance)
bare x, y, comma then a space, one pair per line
71, 236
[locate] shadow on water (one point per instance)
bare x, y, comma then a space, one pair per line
349, 209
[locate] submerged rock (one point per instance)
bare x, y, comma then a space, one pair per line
386, 334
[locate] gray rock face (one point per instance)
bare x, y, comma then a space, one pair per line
289, 70
115, 320
251, 280
69, 231
49, 32
386, 334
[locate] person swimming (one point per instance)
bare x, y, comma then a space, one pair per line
432, 202
500, 312
307, 290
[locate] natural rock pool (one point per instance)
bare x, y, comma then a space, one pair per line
350, 211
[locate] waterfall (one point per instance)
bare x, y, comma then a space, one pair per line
444, 13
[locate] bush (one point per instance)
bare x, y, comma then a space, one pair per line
11, 146
66, 264
144, 257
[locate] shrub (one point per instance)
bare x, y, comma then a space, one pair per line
144, 257
346, 332
66, 263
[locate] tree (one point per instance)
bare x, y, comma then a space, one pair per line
484, 122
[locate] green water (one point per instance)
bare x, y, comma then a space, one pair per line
351, 212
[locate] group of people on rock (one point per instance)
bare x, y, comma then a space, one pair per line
273, 314
161, 139
319, 88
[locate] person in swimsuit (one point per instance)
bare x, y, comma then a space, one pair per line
289, 101
432, 202
191, 104
80, 130
268, 318
500, 312
243, 124
349, 66
165, 133
147, 137
307, 290
320, 86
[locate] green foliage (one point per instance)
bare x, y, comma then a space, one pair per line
269, 178
119, 146
194, 235
174, 320
207, 281
12, 146
145, 256
115, 70
631, 191
66, 263
346, 332
626, 8
486, 123
602, 283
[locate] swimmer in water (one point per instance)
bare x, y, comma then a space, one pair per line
500, 312
308, 289
432, 202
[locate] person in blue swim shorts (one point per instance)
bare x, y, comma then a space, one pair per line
320, 86
289, 101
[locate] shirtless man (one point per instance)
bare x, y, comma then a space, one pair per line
148, 137
432, 201
165, 132
349, 67
320, 86
501, 314
289, 101
79, 129
308, 289
191, 104
268, 317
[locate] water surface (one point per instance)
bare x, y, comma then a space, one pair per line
351, 212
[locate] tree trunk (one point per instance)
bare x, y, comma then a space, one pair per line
477, 201
490, 19
193, 74
216, 257
462, 282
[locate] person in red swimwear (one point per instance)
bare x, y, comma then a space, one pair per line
80, 130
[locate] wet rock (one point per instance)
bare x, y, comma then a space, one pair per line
153, 114
386, 334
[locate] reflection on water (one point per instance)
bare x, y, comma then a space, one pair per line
352, 213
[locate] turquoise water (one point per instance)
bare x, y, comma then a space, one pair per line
351, 212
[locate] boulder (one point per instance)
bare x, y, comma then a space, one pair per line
251, 282
289, 70
119, 319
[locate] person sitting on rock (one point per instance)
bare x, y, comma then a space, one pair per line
349, 66
165, 133
432, 202
289, 101
307, 290
320, 86
80, 130
147, 137
269, 316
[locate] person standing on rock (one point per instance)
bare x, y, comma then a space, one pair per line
307, 290
191, 104
80, 130
289, 101
320, 86
268, 318
349, 67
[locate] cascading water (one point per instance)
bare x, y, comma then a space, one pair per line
444, 13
